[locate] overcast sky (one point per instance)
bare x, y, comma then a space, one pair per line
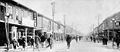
80, 14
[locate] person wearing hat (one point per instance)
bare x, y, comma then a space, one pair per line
68, 40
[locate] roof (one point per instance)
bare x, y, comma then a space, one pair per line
17, 4
50, 19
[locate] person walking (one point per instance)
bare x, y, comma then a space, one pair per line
79, 38
32, 42
117, 41
23, 42
43, 38
14, 43
76, 39
113, 41
94, 39
91, 38
105, 40
68, 40
49, 40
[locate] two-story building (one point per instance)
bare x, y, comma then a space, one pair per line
16, 21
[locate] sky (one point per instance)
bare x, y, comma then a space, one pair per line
82, 15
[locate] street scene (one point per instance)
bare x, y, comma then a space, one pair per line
59, 26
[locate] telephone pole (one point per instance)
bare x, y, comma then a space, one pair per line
7, 30
98, 23
64, 25
53, 14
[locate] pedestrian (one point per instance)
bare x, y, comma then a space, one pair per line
113, 41
68, 40
76, 39
37, 41
94, 39
14, 43
117, 41
32, 42
42, 40
23, 42
91, 38
19, 41
105, 40
79, 38
49, 40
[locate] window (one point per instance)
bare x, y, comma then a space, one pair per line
2, 9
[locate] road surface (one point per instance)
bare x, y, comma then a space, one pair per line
84, 46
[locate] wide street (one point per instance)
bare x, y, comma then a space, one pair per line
81, 46
84, 46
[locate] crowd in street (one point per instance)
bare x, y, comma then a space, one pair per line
44, 41
104, 39
34, 43
20, 42
69, 38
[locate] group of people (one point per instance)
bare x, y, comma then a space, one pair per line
69, 38
77, 38
18, 42
39, 40
104, 39
43, 40
116, 40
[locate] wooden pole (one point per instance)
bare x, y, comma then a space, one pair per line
53, 14
26, 29
6, 27
64, 26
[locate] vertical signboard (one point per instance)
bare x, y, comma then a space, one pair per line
35, 19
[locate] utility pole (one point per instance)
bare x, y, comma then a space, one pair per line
53, 14
113, 22
6, 15
64, 25
93, 29
7, 30
72, 28
98, 23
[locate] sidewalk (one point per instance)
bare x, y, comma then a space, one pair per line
56, 45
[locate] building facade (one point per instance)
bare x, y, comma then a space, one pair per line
16, 21
110, 27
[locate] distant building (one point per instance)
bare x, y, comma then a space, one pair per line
110, 26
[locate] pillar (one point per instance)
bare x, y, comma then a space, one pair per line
34, 37
26, 29
108, 34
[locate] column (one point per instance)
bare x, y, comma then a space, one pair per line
34, 37
108, 34
42, 23
26, 29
